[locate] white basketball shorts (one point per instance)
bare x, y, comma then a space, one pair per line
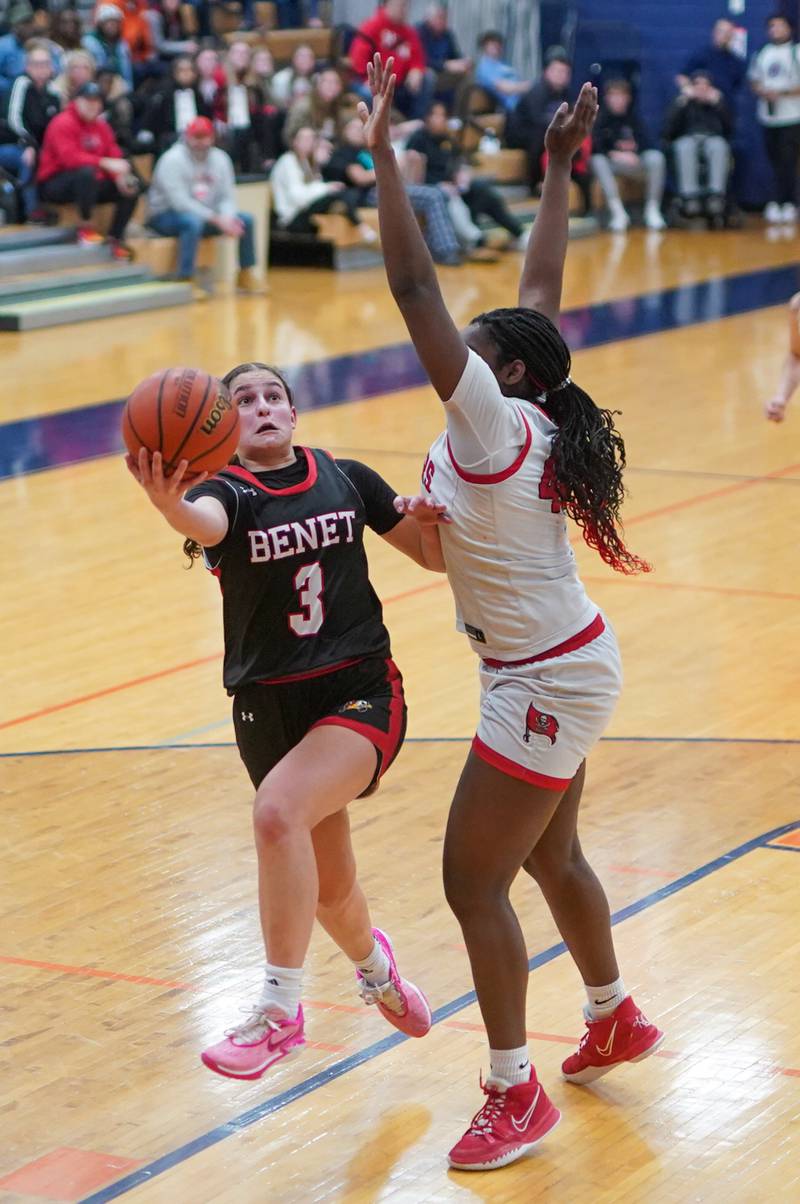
539, 720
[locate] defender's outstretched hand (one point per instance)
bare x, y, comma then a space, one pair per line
568, 130
424, 510
382, 82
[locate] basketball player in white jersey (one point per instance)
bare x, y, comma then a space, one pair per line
523, 448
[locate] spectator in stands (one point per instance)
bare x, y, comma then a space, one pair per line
262, 66
172, 31
775, 79
82, 164
210, 76
66, 29
239, 111
106, 46
388, 34
12, 46
699, 127
118, 110
294, 81
299, 191
495, 76
351, 164
192, 196
137, 33
262, 71
468, 198
620, 147
27, 111
718, 58
77, 69
530, 118
443, 54
325, 109
173, 107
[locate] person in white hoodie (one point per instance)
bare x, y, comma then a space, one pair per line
775, 79
192, 196
299, 191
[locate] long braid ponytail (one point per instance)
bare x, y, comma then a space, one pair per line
588, 451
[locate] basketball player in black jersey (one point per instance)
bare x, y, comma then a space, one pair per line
318, 703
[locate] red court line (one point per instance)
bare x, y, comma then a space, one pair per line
92, 972
642, 869
727, 590
724, 491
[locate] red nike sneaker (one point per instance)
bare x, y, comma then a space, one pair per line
511, 1122
624, 1036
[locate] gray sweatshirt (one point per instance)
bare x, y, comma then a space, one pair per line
189, 185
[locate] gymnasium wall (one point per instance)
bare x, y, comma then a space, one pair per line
668, 30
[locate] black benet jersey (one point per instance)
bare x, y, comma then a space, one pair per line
296, 594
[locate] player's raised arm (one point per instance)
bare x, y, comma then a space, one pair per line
409, 267
203, 520
543, 269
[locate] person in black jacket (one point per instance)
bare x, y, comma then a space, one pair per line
620, 147
174, 106
527, 122
699, 126
27, 111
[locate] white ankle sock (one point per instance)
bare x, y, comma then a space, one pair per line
282, 989
376, 967
605, 1000
512, 1065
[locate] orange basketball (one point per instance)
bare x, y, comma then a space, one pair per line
186, 415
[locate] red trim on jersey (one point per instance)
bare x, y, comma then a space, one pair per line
595, 628
494, 478
280, 681
514, 770
244, 474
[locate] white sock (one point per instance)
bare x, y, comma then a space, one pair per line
512, 1065
375, 968
605, 1000
283, 986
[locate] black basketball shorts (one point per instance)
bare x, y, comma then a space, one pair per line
270, 719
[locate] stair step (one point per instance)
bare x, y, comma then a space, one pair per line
82, 307
45, 258
65, 283
20, 238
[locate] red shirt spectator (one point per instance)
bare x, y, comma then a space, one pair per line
71, 142
387, 32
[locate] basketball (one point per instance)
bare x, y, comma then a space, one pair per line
186, 415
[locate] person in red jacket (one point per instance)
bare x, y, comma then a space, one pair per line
388, 33
81, 164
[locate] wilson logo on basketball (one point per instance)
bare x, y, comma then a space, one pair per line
184, 393
539, 723
221, 406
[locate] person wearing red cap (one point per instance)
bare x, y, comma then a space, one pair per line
82, 164
192, 196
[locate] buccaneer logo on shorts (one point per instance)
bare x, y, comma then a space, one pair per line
360, 704
539, 723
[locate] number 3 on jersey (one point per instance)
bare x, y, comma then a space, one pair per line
309, 581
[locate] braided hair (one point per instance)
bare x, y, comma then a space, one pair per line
191, 547
588, 451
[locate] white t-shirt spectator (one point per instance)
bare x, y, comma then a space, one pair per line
185, 108
778, 69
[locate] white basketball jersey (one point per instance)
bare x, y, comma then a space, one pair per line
508, 556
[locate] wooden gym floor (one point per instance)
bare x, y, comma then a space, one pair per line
129, 932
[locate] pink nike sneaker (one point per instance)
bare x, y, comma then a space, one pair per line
511, 1122
254, 1046
624, 1036
398, 1000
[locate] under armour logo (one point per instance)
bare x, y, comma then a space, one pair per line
247, 489
247, 716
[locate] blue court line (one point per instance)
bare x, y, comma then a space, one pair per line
781, 848
72, 436
244, 1120
112, 748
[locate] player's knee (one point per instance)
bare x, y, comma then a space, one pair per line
469, 892
550, 865
272, 821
